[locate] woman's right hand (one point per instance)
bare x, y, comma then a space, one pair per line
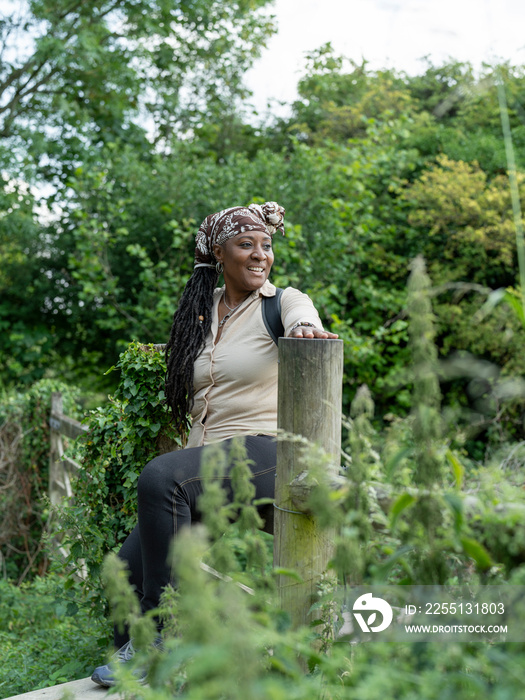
312, 332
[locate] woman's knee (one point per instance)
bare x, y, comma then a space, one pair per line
152, 479
164, 473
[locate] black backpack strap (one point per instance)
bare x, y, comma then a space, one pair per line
271, 313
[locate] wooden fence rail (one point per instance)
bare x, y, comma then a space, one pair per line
61, 468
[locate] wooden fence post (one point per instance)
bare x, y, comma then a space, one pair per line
309, 405
58, 487
61, 468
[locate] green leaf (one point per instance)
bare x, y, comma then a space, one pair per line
393, 462
127, 449
400, 504
455, 502
476, 551
457, 468
516, 305
382, 571
288, 572
506, 295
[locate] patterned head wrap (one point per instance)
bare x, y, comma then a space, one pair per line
227, 223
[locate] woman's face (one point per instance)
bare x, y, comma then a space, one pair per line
247, 259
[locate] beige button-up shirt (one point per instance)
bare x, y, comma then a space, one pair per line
235, 378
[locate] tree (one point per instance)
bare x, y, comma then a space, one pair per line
79, 79
461, 216
76, 74
339, 98
461, 221
463, 112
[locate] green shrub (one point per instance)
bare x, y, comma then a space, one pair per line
132, 428
24, 472
47, 635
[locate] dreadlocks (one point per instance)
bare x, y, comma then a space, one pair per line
191, 324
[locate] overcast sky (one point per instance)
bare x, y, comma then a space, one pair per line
388, 34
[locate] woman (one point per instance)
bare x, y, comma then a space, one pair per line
221, 370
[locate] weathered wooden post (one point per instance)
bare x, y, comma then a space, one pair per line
58, 486
61, 467
309, 405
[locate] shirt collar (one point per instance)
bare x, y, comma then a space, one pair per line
267, 290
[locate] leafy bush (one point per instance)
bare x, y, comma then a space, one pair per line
132, 428
47, 635
24, 472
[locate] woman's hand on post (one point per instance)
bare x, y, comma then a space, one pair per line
312, 332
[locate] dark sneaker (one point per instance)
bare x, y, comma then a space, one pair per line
105, 675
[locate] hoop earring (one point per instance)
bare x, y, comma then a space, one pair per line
219, 267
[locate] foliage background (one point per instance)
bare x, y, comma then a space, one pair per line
122, 126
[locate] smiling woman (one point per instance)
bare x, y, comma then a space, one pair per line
221, 371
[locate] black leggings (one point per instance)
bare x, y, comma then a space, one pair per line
168, 490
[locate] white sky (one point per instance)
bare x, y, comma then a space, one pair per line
388, 34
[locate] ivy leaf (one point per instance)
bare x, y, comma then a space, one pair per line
127, 449
288, 572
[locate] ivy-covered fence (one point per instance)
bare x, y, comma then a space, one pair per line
24, 474
121, 437
43, 459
